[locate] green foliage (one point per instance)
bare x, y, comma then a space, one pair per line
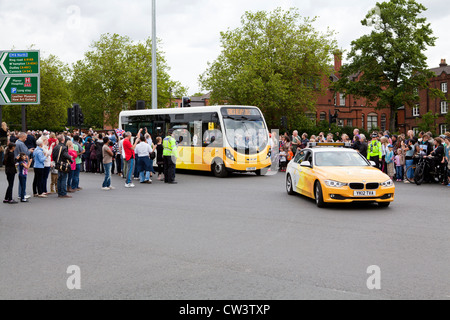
51, 114
115, 74
275, 60
390, 61
427, 122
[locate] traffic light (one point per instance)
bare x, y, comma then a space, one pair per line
186, 102
76, 114
81, 118
70, 117
283, 122
333, 117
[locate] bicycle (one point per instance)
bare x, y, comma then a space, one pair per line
423, 166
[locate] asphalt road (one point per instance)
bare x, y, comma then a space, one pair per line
241, 237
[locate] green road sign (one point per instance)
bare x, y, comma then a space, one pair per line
19, 62
19, 90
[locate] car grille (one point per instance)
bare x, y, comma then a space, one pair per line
372, 186
360, 186
356, 186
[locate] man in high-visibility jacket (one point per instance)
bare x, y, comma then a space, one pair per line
170, 155
374, 150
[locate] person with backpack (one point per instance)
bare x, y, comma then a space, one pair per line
61, 154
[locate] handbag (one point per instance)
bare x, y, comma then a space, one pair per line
62, 166
152, 155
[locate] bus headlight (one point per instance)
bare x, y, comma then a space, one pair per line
229, 155
335, 184
269, 154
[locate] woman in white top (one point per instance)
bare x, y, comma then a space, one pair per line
142, 151
47, 163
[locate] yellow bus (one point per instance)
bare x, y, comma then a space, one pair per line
220, 139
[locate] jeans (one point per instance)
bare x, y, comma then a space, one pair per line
107, 181
62, 183
22, 187
130, 170
144, 176
45, 179
410, 173
9, 191
69, 179
38, 181
399, 172
76, 177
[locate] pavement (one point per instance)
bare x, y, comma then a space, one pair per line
236, 238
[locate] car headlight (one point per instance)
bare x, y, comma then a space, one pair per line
229, 155
335, 184
388, 183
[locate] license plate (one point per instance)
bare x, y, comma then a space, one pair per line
251, 169
364, 193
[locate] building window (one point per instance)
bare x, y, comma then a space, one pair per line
444, 107
383, 122
415, 111
443, 129
311, 116
363, 123
372, 121
323, 116
416, 131
340, 123
350, 123
341, 99
444, 87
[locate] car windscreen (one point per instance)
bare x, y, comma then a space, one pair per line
339, 159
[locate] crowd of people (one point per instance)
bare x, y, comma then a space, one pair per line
391, 153
58, 158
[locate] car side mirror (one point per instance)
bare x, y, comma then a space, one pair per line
306, 164
373, 164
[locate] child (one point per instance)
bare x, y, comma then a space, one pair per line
283, 159
54, 183
24, 165
390, 162
398, 165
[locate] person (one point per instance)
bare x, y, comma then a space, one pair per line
60, 154
438, 156
22, 148
384, 149
3, 141
170, 154
10, 170
410, 151
75, 185
283, 159
363, 148
107, 156
128, 150
424, 145
30, 140
87, 154
447, 157
374, 150
73, 154
117, 158
296, 141
39, 160
390, 166
398, 166
98, 152
330, 137
160, 158
356, 134
24, 166
143, 150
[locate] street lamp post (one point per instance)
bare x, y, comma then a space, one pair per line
154, 74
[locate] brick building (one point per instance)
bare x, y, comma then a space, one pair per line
352, 112
409, 118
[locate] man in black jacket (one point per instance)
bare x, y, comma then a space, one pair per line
61, 153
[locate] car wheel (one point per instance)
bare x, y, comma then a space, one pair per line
219, 169
289, 186
383, 204
319, 195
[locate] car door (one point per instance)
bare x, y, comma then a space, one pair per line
297, 169
307, 176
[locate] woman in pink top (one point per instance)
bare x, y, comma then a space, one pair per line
73, 153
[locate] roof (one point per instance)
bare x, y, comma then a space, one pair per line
438, 71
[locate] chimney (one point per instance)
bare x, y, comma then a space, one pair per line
337, 61
443, 63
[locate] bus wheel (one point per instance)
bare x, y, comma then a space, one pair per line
219, 169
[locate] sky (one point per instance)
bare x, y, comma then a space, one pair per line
189, 29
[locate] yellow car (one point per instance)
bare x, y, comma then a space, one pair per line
337, 175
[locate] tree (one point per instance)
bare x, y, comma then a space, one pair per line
275, 60
55, 98
114, 75
427, 122
390, 61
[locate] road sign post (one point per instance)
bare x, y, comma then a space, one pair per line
20, 79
